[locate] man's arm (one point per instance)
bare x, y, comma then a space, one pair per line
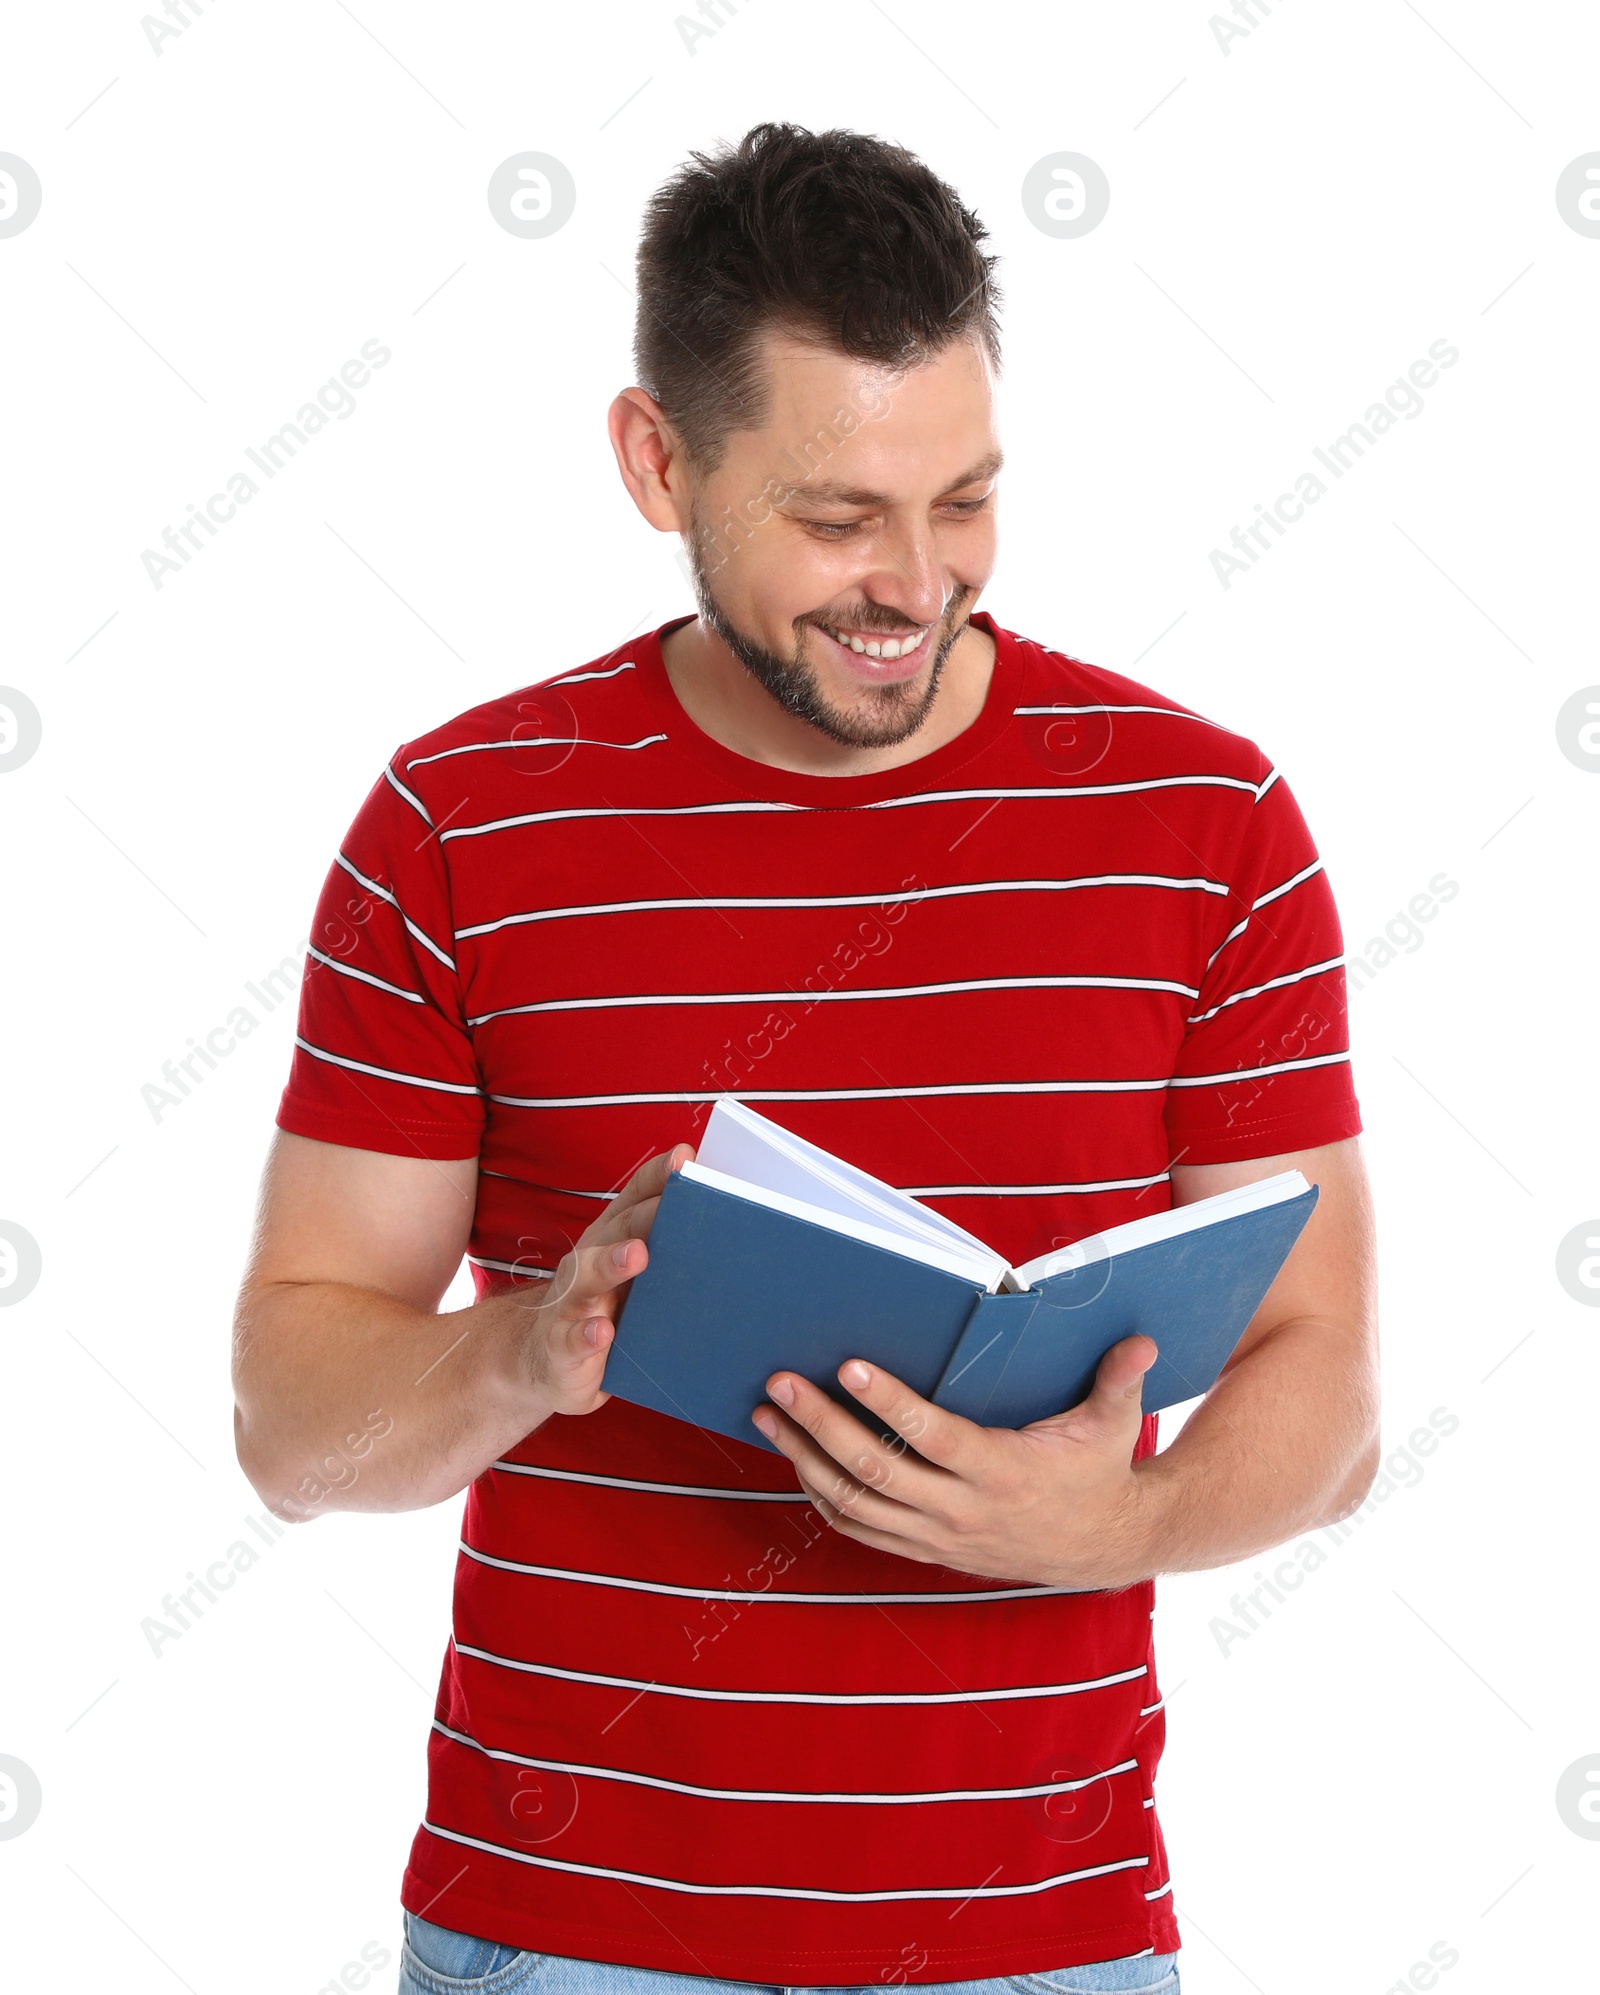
352, 1392
1286, 1439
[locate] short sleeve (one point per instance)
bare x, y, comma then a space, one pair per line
383, 1055
1264, 1067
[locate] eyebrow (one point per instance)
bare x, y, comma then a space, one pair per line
829, 492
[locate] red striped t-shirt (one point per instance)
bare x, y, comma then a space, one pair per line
682, 1724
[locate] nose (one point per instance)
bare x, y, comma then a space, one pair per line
907, 577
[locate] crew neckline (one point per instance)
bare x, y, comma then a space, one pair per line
800, 786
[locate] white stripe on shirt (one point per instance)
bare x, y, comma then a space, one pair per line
572, 678
1277, 893
878, 897
384, 894
1272, 894
1250, 1073
365, 976
745, 805
1238, 1074
534, 741
861, 1094
1084, 1189
383, 1073
1007, 1694
579, 1769
412, 799
790, 995
790, 1599
652, 1488
1272, 984
1172, 713
962, 1891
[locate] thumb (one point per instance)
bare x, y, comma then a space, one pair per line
578, 1318
1119, 1378
575, 1356
1112, 1404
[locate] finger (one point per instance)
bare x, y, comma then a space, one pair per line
588, 1278
850, 1525
580, 1336
650, 1180
845, 1459
632, 1209
938, 1436
623, 1222
824, 1481
575, 1355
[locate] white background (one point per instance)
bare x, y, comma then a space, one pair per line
1293, 222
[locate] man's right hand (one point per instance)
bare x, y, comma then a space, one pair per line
352, 1390
575, 1317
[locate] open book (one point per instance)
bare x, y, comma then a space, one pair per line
769, 1253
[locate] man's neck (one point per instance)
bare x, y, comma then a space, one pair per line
728, 703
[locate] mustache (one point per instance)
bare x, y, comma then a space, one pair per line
870, 622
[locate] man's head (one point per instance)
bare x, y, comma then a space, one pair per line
817, 346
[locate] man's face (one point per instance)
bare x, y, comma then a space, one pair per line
864, 510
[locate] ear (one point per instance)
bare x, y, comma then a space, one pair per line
650, 459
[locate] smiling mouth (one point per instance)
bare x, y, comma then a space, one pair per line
873, 644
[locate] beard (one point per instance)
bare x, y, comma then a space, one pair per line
892, 712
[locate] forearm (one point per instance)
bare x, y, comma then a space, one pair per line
351, 1399
1285, 1441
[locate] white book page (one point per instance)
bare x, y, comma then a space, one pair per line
746, 1145
1164, 1225
984, 1268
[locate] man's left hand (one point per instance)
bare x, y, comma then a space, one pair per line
1055, 1504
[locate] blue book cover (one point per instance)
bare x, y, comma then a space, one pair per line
1023, 1357
737, 1289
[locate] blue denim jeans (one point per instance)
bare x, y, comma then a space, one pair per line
436, 1961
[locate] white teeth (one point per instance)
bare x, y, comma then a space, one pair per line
889, 647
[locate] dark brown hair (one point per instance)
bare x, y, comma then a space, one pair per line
831, 236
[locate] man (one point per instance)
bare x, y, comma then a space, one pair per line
1011, 931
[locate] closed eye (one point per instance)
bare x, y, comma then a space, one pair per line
844, 529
